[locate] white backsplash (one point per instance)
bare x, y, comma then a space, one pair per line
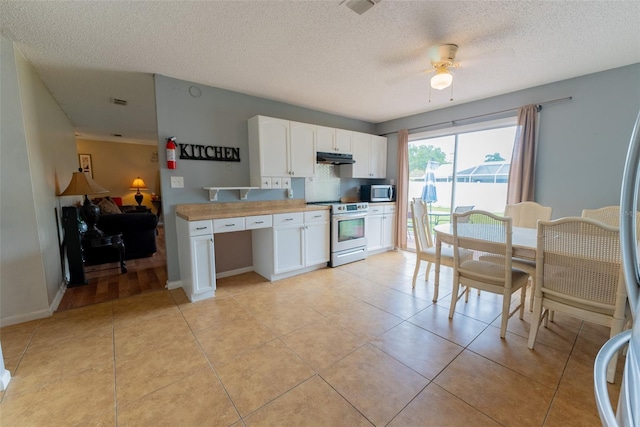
325, 186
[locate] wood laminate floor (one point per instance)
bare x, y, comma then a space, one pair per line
106, 283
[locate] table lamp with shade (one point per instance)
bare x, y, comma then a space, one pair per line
138, 184
82, 184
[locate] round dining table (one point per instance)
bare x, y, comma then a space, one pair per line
523, 242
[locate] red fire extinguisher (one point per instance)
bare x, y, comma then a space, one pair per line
171, 153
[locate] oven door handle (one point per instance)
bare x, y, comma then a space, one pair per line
349, 216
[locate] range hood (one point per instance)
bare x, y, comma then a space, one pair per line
334, 158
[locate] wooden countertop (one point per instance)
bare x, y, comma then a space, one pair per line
203, 211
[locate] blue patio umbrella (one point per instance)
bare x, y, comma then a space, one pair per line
429, 192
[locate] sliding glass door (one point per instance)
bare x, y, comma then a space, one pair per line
468, 166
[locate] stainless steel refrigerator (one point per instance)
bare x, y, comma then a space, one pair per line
627, 412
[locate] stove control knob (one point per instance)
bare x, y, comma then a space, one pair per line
340, 208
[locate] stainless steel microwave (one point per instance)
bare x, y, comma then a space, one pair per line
378, 193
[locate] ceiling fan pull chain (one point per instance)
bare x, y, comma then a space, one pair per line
451, 99
429, 94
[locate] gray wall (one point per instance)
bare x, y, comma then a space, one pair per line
219, 117
582, 142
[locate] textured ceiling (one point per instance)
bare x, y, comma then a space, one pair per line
316, 54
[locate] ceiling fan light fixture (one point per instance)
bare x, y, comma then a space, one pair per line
442, 79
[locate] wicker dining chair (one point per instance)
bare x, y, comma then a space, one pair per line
488, 238
526, 215
610, 215
425, 250
579, 273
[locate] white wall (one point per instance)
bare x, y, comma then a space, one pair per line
582, 142
37, 157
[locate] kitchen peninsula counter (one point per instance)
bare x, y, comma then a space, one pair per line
204, 211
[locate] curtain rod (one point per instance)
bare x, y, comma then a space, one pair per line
452, 122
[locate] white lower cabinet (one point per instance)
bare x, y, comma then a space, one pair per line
283, 245
374, 232
298, 242
197, 258
316, 238
381, 227
388, 230
288, 244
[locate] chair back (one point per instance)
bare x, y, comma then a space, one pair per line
420, 219
463, 209
527, 214
485, 235
610, 215
579, 260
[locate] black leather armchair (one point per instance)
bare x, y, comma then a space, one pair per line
138, 232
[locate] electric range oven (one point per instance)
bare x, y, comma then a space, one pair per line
348, 232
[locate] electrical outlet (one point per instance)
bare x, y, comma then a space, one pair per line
177, 182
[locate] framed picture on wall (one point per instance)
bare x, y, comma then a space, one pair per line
85, 164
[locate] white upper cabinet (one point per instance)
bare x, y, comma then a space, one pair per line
302, 153
326, 139
344, 141
268, 146
378, 157
280, 149
370, 154
333, 140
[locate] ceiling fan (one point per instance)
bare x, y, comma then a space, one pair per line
442, 59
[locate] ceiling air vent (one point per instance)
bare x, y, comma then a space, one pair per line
119, 101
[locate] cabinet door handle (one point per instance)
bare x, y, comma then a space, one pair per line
259, 222
229, 225
317, 216
288, 219
201, 228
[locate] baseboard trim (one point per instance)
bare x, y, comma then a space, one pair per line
233, 272
56, 301
4, 380
174, 284
27, 317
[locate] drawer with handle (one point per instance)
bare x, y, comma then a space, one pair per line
376, 210
316, 216
199, 228
258, 221
281, 220
226, 225
390, 209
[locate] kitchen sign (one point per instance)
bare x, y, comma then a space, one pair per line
209, 152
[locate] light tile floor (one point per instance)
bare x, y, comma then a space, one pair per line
350, 346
